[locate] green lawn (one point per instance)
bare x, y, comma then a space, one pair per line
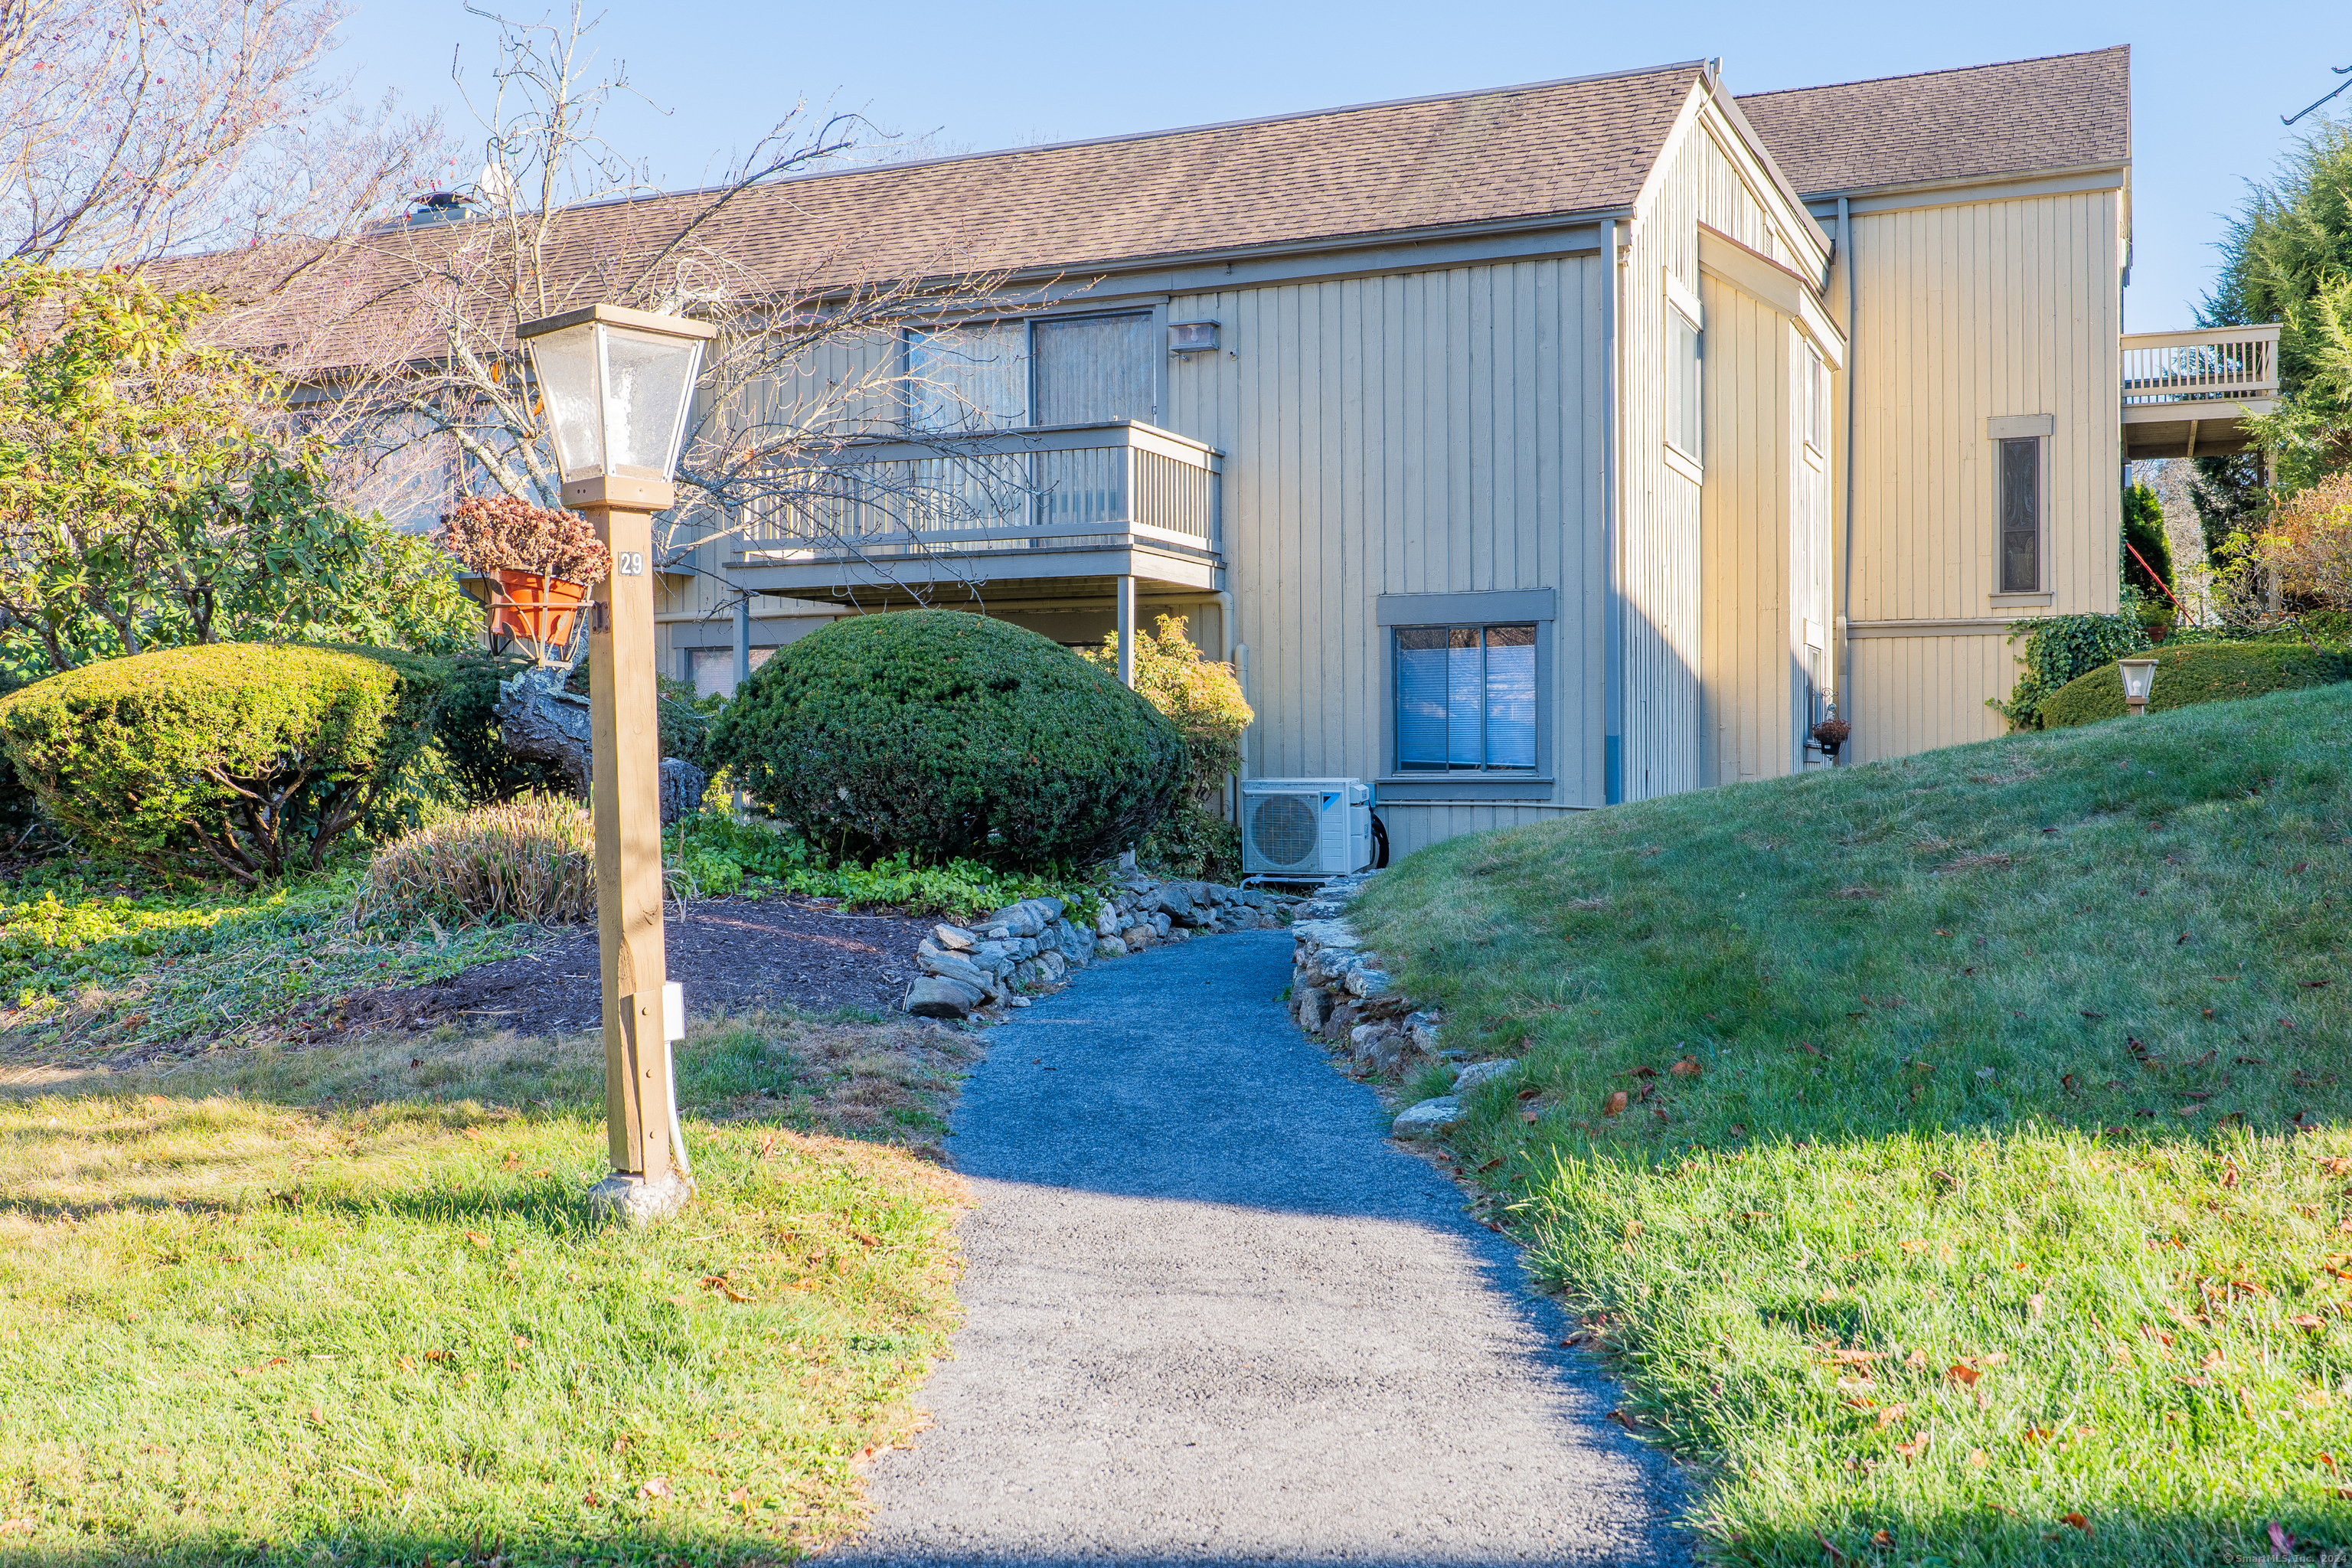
1998, 1212
344, 1305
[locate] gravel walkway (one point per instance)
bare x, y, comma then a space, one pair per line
1213, 1317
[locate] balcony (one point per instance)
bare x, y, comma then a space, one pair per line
2186, 395
1064, 509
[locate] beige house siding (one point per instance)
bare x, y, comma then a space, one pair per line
1419, 433
1971, 311
1705, 175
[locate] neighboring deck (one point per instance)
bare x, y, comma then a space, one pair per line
2188, 394
1075, 506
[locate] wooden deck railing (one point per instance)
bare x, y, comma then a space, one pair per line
1071, 485
2218, 364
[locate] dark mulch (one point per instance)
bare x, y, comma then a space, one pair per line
730, 954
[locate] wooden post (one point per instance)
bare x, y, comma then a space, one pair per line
628, 810
1127, 632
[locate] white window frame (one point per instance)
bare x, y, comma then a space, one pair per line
1683, 301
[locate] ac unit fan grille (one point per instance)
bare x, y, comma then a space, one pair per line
1283, 828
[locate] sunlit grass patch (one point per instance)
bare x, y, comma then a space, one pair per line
2015, 1058
348, 1302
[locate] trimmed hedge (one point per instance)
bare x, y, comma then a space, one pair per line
242, 759
2197, 672
949, 735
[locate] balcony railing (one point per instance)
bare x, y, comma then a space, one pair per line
2220, 364
1070, 487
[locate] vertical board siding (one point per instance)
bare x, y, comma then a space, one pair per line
1420, 433
1703, 177
1746, 523
1969, 312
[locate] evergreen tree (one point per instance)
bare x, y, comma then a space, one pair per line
2151, 570
2287, 257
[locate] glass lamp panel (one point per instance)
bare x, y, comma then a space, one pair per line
566, 365
2137, 678
649, 377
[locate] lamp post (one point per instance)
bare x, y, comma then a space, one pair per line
2139, 678
617, 386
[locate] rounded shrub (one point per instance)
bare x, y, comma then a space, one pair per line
2197, 672
530, 859
949, 735
246, 760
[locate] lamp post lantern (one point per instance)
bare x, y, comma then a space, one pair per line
2139, 680
617, 386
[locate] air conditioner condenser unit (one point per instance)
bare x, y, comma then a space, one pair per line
1305, 827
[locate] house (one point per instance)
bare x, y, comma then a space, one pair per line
1527, 450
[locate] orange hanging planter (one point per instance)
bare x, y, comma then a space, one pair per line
534, 606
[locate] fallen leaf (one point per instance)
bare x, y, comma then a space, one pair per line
1977, 1460
2306, 1321
2194, 1382
2213, 1359
2077, 1520
1892, 1413
1880, 1538
406, 1364
2282, 1544
478, 1239
658, 1486
591, 1500
1615, 1104
767, 1145
1993, 1358
2229, 1174
1914, 1448
1962, 1374
1840, 1357
1916, 1361
741, 1497
2037, 1434
2033, 1304
1687, 1067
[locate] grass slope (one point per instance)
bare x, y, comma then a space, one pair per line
1997, 1209
345, 1305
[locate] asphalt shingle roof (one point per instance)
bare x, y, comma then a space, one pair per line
2061, 111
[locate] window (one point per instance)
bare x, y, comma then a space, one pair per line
1817, 402
2021, 515
1051, 370
1682, 351
712, 669
1466, 698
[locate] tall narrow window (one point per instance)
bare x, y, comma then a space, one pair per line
1466, 698
2020, 516
1817, 402
1683, 343
1094, 368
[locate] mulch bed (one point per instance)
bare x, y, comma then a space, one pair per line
728, 953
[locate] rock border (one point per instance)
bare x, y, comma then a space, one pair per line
1342, 996
1032, 948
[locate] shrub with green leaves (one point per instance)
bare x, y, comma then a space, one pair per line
2058, 648
243, 759
946, 735
2197, 672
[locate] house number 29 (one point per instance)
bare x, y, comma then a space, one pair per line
633, 563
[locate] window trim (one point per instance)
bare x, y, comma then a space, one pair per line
1684, 302
1395, 612
2038, 428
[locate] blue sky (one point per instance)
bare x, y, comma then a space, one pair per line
2207, 94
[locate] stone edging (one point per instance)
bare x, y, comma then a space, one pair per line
1000, 960
1340, 994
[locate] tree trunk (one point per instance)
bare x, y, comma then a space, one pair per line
542, 722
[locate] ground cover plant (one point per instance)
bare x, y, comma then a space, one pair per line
96, 960
345, 1304
1951, 1153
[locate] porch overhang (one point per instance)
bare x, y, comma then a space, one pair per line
1039, 568
2189, 429
2189, 394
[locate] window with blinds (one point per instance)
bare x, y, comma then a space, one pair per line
2020, 516
1466, 698
1003, 375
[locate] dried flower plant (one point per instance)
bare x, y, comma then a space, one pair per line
491, 533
